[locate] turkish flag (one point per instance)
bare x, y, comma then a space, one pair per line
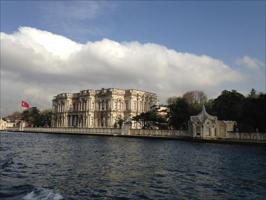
25, 104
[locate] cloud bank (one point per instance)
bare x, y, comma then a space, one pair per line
250, 63
37, 65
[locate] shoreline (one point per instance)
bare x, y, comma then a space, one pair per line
180, 138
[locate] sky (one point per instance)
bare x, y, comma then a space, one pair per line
167, 47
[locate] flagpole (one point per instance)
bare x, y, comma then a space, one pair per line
24, 105
21, 117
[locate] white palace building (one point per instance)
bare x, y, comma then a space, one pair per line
100, 108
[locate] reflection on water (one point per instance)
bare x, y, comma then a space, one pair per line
46, 166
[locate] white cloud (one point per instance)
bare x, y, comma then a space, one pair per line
38, 64
251, 63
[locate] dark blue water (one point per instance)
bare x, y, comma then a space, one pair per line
46, 166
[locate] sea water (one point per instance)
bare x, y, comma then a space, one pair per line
59, 166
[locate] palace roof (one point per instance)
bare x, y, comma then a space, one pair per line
202, 116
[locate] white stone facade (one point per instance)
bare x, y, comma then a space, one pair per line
206, 126
100, 108
5, 124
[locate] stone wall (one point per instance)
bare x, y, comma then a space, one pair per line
231, 136
108, 131
162, 133
86, 131
253, 136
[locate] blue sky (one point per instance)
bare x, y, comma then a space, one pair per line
223, 29
216, 45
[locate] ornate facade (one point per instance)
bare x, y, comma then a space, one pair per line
100, 108
207, 126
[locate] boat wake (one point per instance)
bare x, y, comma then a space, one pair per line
42, 194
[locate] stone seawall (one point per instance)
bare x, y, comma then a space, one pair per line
234, 137
252, 136
159, 133
84, 131
108, 131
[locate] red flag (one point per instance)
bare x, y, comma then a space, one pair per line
25, 104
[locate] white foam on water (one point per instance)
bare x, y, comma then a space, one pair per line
43, 194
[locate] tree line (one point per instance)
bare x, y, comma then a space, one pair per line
248, 111
33, 117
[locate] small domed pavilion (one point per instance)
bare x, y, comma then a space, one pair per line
208, 126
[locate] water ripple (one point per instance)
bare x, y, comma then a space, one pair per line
46, 166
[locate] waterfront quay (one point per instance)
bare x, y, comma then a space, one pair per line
232, 137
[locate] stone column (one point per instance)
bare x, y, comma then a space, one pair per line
59, 123
86, 105
111, 120
72, 120
104, 121
92, 122
87, 120
108, 121
84, 121
65, 120
54, 122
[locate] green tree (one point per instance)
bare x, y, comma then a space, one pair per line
195, 97
179, 114
120, 122
254, 113
209, 106
228, 106
14, 116
45, 118
150, 119
253, 93
32, 116
171, 100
